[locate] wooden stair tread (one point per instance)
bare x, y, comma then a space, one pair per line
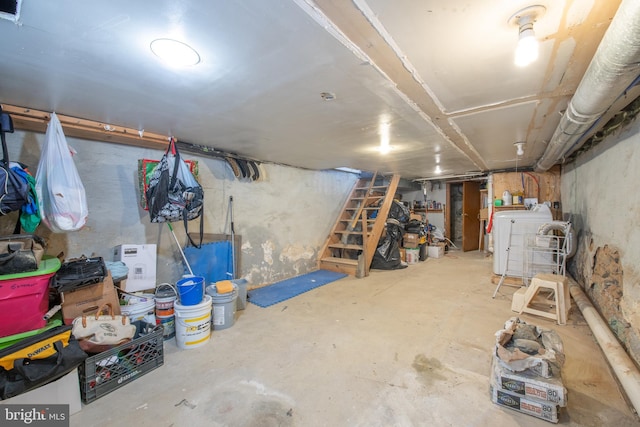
345, 246
368, 208
336, 260
348, 232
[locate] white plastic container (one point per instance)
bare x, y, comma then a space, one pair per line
507, 199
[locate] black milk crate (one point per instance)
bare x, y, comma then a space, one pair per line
104, 372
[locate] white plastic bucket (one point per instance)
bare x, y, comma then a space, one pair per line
193, 323
224, 307
140, 308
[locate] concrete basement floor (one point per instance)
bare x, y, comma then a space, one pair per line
409, 347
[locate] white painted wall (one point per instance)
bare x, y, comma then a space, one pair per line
283, 220
438, 193
600, 190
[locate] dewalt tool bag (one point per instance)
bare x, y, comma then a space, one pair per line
38, 360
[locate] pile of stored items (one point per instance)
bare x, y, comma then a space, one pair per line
53, 321
526, 370
95, 327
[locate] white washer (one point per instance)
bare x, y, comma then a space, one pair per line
509, 229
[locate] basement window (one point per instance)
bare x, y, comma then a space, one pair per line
10, 10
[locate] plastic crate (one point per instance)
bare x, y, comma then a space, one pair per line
107, 371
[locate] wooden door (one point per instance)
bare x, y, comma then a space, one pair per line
470, 215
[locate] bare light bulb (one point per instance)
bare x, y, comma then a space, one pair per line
527, 49
519, 148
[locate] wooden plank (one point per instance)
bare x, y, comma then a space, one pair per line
340, 265
508, 280
345, 246
36, 121
549, 186
381, 218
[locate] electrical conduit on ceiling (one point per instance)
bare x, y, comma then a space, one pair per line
613, 70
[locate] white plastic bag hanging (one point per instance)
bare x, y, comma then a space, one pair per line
61, 196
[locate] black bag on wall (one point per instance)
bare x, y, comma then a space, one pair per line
174, 194
14, 191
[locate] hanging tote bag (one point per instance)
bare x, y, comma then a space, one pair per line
61, 195
145, 170
174, 194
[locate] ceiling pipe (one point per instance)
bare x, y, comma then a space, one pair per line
614, 68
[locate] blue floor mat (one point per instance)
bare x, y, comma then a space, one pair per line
286, 289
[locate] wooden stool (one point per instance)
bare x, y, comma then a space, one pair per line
557, 297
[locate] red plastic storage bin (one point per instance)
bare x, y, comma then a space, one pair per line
24, 298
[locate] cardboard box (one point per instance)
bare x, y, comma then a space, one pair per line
435, 251
141, 262
529, 385
537, 408
403, 255
63, 391
410, 240
88, 299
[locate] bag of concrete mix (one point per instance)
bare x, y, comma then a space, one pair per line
529, 385
521, 347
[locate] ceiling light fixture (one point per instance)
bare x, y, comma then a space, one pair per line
438, 170
519, 148
174, 52
527, 49
384, 130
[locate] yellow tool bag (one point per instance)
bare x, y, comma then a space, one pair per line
38, 360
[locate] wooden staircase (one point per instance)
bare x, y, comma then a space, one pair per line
354, 237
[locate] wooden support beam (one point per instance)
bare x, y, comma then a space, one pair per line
36, 121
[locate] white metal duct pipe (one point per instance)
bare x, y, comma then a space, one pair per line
612, 70
566, 229
622, 365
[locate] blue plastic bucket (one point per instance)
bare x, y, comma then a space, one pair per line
191, 290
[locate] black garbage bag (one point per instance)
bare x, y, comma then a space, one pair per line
387, 254
399, 212
394, 230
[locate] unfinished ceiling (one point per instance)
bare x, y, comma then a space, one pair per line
437, 76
